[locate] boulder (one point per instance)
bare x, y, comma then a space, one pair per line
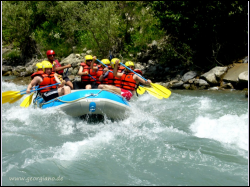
233, 74
189, 75
6, 69
214, 74
202, 82
243, 77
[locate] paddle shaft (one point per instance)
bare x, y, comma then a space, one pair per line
92, 77
41, 88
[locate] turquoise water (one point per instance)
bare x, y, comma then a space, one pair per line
192, 138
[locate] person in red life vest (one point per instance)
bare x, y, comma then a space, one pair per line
127, 82
58, 68
45, 78
88, 76
99, 70
108, 75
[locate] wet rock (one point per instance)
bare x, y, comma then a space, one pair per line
189, 75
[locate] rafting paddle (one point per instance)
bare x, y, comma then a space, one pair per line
16, 95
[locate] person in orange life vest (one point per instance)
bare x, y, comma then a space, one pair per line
108, 76
58, 68
128, 80
85, 70
46, 78
99, 70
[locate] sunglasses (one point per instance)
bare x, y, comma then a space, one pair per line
51, 55
88, 60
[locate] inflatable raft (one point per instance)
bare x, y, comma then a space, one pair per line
87, 102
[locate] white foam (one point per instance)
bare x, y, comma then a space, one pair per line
79, 149
228, 129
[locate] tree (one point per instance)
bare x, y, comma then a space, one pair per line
18, 22
214, 31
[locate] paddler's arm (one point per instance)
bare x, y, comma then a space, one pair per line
117, 74
82, 73
37, 80
62, 67
137, 78
92, 64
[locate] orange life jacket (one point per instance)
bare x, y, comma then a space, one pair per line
36, 73
87, 78
98, 74
126, 81
47, 80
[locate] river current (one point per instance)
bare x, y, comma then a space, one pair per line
192, 138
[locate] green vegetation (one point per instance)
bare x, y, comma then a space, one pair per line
199, 33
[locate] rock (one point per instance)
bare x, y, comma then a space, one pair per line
243, 77
226, 85
202, 82
6, 69
233, 74
177, 84
214, 88
7, 73
214, 74
186, 86
188, 75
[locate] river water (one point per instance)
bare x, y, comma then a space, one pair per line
191, 138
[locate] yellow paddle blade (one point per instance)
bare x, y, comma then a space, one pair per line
140, 90
5, 99
8, 98
161, 90
27, 101
152, 92
10, 93
16, 98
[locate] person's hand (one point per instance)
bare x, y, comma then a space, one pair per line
117, 61
86, 73
68, 66
105, 70
148, 81
94, 58
27, 91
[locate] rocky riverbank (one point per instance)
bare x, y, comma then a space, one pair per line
234, 76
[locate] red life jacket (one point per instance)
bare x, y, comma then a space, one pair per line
47, 80
87, 78
126, 81
57, 64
